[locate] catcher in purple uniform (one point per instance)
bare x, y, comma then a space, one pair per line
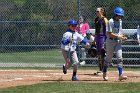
100, 36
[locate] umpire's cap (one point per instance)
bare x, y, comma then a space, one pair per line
72, 22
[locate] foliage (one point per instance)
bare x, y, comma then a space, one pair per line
32, 22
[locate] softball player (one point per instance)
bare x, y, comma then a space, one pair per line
113, 43
138, 34
100, 36
68, 46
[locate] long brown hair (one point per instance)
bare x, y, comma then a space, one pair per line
103, 11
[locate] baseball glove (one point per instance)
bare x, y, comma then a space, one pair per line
92, 51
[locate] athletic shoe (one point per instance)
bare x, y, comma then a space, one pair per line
122, 78
105, 76
74, 78
64, 69
99, 73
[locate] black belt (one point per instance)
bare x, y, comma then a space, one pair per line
113, 38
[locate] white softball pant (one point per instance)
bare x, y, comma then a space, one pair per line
73, 59
111, 47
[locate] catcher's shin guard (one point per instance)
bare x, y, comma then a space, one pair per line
101, 62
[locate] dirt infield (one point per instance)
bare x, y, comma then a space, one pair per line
11, 78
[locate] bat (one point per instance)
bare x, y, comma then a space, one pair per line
69, 51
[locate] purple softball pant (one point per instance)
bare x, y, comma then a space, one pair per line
100, 41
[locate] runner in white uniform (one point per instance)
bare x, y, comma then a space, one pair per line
68, 46
113, 43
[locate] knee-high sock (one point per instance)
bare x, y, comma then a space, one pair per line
120, 70
105, 68
74, 73
75, 70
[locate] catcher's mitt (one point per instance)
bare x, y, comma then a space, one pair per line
92, 52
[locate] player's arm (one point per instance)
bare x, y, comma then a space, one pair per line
112, 35
65, 40
83, 40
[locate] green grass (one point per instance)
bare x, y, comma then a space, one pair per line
58, 87
49, 56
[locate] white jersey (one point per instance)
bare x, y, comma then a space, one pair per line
138, 32
115, 27
68, 36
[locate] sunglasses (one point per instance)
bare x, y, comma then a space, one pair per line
97, 11
73, 25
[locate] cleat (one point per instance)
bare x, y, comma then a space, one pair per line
105, 76
64, 70
99, 73
122, 78
75, 78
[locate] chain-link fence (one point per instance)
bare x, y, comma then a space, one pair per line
31, 30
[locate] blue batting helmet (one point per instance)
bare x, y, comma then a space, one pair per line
72, 22
119, 11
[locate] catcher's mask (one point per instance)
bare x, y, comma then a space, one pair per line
92, 52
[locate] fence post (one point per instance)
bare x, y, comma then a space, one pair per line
79, 14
